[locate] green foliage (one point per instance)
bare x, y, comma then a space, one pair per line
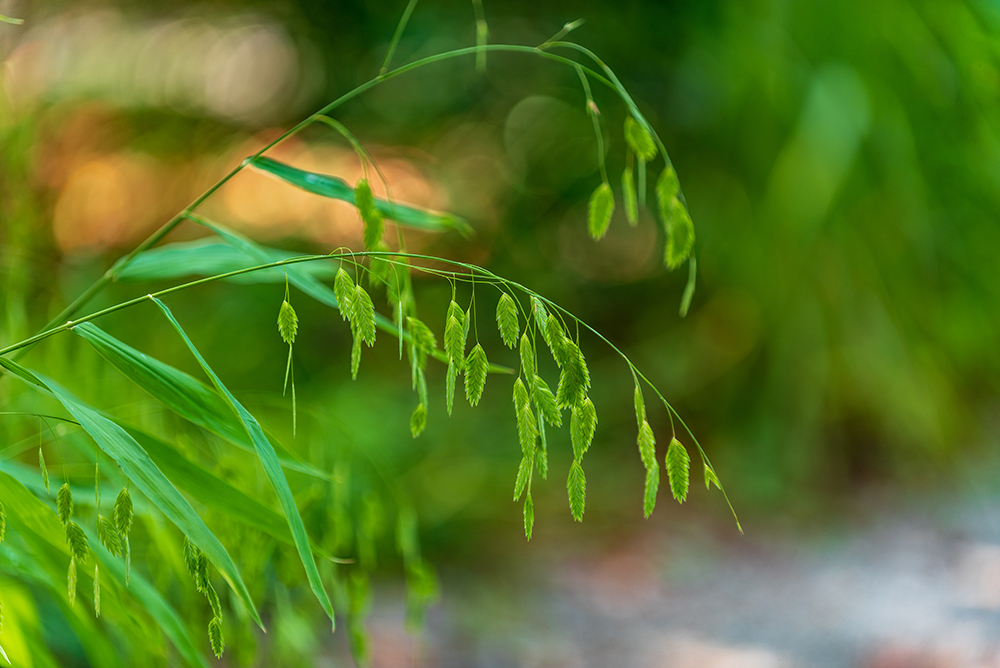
186, 464
599, 211
639, 140
507, 320
272, 468
335, 188
3, 521
678, 465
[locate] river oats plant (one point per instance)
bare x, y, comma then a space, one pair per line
373, 292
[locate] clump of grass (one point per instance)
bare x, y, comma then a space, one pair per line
216, 410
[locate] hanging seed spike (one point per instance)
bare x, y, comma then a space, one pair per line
97, 590
123, 513
108, 535
77, 541
639, 140
216, 638
680, 235
64, 503
71, 581
583, 424
476, 368
576, 488
678, 466
343, 289
418, 420
600, 208
288, 323
507, 320
529, 517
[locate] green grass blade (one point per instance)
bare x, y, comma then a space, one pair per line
335, 188
183, 394
33, 517
269, 461
310, 285
140, 469
208, 257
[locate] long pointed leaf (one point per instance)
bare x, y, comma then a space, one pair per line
185, 395
272, 468
208, 257
335, 188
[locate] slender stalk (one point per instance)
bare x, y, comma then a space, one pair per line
157, 236
396, 36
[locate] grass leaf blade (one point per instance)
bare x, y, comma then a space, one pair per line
271, 466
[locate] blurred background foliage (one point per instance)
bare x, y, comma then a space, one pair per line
841, 162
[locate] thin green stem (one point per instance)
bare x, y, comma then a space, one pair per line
593, 112
158, 236
396, 36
